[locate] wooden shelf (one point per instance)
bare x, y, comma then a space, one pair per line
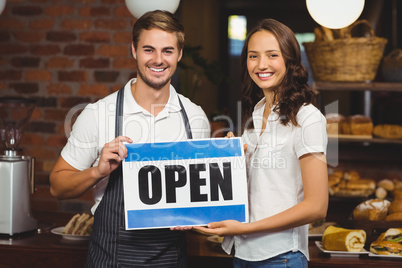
370, 141
357, 86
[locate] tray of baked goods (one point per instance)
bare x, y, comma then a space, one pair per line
338, 241
374, 228
351, 183
359, 127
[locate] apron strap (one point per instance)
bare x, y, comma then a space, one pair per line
185, 119
119, 115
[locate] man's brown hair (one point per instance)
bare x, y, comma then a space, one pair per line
162, 20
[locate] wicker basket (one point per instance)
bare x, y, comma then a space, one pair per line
351, 59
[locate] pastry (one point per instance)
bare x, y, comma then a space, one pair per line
333, 179
334, 121
371, 210
386, 184
388, 131
395, 206
362, 184
397, 216
352, 175
380, 193
341, 239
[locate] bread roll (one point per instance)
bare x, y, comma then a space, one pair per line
380, 193
352, 175
388, 131
371, 210
334, 121
341, 239
395, 206
397, 193
397, 216
357, 125
386, 184
362, 184
398, 184
323, 34
333, 180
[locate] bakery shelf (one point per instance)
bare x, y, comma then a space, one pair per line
371, 141
357, 86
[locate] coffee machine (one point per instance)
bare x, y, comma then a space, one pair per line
16, 171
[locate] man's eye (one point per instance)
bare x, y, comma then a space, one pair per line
168, 52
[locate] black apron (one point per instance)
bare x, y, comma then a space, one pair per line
111, 245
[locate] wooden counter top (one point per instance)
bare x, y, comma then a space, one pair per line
49, 250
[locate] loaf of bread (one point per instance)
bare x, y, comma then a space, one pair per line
357, 125
397, 216
395, 206
334, 121
323, 34
341, 239
371, 210
350, 184
388, 131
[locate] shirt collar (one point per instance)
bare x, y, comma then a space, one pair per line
132, 107
259, 112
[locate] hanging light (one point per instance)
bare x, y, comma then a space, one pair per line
335, 14
2, 5
139, 7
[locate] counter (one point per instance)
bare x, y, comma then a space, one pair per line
50, 250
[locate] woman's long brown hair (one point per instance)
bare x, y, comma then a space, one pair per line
294, 90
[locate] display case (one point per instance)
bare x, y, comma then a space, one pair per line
375, 158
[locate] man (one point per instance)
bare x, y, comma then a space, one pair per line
150, 111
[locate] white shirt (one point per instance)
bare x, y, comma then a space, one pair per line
95, 126
274, 179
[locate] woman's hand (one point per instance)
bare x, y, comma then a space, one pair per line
231, 135
223, 228
112, 154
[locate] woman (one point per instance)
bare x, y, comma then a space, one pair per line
286, 144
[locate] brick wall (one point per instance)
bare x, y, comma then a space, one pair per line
61, 53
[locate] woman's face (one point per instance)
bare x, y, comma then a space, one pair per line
265, 63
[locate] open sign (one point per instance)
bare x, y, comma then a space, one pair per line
184, 183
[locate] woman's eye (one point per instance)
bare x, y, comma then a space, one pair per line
252, 56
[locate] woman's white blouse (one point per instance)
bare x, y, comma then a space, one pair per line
274, 179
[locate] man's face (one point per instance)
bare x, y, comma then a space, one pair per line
157, 56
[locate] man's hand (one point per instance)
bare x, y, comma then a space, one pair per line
112, 154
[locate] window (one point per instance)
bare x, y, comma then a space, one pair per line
237, 31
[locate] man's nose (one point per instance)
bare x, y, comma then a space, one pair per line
158, 57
